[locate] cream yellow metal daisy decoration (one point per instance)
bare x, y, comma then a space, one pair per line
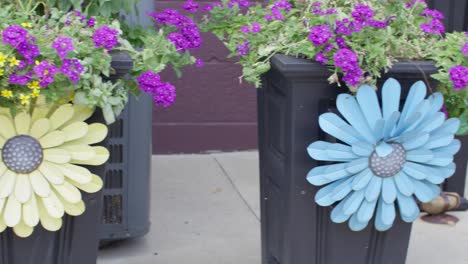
40, 165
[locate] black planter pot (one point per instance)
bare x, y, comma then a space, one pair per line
295, 230
455, 11
75, 243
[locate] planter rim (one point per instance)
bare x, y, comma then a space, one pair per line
291, 66
121, 61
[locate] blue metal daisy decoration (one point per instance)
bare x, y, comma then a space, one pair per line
389, 158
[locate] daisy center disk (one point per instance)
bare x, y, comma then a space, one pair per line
389, 165
22, 154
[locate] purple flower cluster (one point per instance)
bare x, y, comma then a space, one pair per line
19, 38
20, 79
243, 49
81, 17
255, 28
63, 45
46, 72
187, 36
320, 57
464, 49
191, 6
317, 10
434, 25
241, 3
276, 10
320, 35
72, 68
348, 61
163, 93
362, 17
459, 77
106, 37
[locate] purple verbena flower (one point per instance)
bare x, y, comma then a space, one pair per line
46, 72
348, 61
243, 49
341, 43
208, 7
362, 13
15, 35
464, 49
256, 27
22, 65
320, 57
72, 68
343, 27
29, 51
240, 3
435, 26
245, 29
320, 35
433, 13
106, 37
63, 45
378, 24
91, 22
459, 77
20, 79
191, 6
163, 93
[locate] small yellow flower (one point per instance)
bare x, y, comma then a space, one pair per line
2, 72
3, 58
6, 94
37, 62
35, 93
33, 85
24, 99
13, 62
26, 25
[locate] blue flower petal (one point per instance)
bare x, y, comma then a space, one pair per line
390, 124
357, 165
388, 190
383, 149
419, 155
363, 149
353, 203
404, 183
441, 159
415, 96
315, 176
342, 190
379, 129
335, 171
409, 209
439, 140
349, 108
451, 149
366, 211
447, 171
373, 189
412, 140
417, 118
437, 101
325, 151
450, 126
385, 215
338, 128
324, 196
337, 214
435, 178
425, 191
416, 171
356, 225
405, 126
433, 123
369, 104
362, 179
391, 92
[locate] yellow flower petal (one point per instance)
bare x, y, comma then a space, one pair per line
94, 186
52, 173
76, 130
82, 113
74, 209
53, 139
31, 212
22, 188
22, 230
2, 204
96, 133
80, 152
61, 116
7, 130
2, 224
3, 168
76, 173
56, 155
101, 157
40, 128
7, 183
48, 222
40, 185
12, 213
40, 110
68, 192
52, 205
5, 111
2, 142
22, 123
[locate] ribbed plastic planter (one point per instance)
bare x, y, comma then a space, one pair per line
455, 11
125, 211
295, 230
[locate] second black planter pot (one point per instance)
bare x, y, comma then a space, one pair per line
295, 230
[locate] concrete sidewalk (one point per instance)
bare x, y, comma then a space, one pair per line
205, 209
